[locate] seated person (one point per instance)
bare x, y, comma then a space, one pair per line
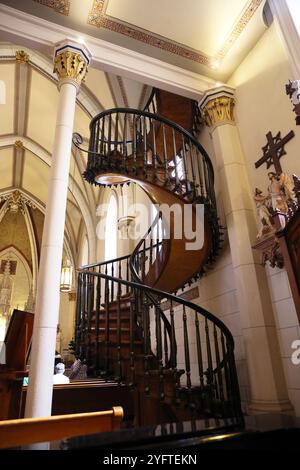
78, 370
59, 377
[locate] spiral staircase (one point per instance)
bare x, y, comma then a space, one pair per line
131, 327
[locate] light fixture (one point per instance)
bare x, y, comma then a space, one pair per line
66, 277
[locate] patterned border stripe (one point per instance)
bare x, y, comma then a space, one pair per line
98, 18
239, 27
60, 6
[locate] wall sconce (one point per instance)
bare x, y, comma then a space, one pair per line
66, 277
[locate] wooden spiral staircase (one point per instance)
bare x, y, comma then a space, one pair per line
130, 326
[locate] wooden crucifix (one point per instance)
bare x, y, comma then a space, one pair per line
274, 150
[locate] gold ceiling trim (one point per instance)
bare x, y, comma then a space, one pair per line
60, 6
97, 17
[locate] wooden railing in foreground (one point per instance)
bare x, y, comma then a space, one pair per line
18, 432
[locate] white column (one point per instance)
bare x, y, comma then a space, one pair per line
70, 64
267, 383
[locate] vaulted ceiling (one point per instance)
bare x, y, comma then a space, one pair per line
27, 125
208, 37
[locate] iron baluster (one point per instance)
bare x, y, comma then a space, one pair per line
226, 373
154, 155
159, 350
82, 350
132, 337
166, 347
102, 137
97, 315
199, 350
166, 163
146, 343
134, 143
125, 150
145, 160
78, 313
90, 304
119, 362
218, 363
107, 338
177, 183
112, 283
109, 134
186, 175
116, 134
186, 350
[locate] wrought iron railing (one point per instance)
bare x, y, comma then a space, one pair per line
194, 362
152, 148
127, 331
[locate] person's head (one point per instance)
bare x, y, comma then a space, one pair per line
59, 368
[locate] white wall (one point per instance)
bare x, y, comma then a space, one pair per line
262, 106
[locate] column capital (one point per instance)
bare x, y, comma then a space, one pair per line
217, 106
71, 60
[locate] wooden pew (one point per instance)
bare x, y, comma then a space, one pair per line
85, 396
20, 432
17, 342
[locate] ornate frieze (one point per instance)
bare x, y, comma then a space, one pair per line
98, 17
60, 6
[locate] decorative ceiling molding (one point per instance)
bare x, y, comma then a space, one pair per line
85, 206
142, 97
60, 6
17, 202
123, 91
111, 89
98, 17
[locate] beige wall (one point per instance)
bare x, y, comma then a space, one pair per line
262, 106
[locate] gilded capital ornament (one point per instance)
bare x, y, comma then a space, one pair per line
22, 57
71, 60
218, 110
19, 144
70, 65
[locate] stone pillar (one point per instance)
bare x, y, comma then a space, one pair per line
268, 392
70, 64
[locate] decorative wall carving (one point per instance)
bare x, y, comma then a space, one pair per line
218, 110
16, 201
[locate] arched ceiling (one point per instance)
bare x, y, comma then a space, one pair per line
27, 125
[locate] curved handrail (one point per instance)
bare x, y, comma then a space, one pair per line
161, 119
175, 299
